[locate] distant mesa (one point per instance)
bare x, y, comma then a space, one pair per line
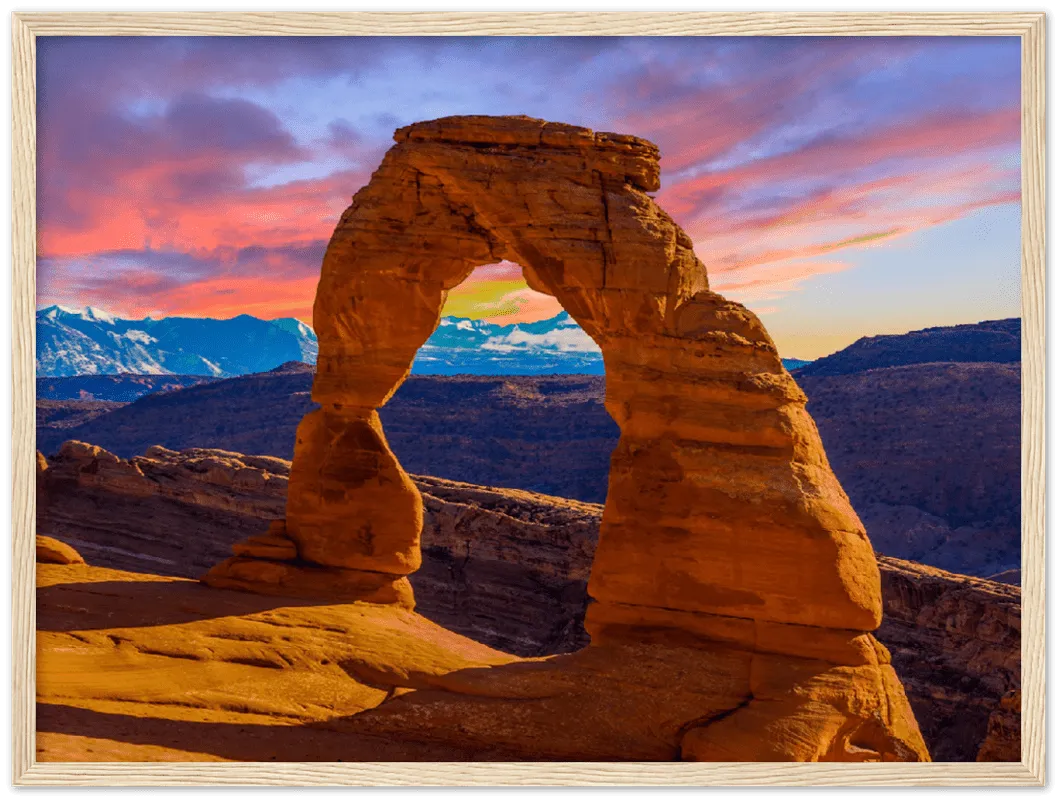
293, 368
120, 388
998, 341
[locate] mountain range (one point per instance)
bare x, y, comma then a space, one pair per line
88, 341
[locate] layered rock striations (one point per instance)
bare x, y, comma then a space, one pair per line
724, 521
162, 512
956, 643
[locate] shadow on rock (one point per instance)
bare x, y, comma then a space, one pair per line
141, 604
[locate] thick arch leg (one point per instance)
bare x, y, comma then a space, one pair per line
353, 520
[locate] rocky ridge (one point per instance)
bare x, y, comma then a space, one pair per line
124, 388
997, 341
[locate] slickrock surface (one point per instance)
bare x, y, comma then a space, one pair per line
139, 667
145, 668
510, 568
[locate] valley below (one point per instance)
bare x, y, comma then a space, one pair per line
928, 453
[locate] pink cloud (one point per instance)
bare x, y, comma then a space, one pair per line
757, 283
778, 154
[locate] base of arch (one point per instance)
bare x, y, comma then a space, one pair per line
268, 564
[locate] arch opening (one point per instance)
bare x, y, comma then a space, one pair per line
503, 403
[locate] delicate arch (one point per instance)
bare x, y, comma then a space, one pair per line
722, 517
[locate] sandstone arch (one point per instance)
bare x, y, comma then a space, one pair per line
723, 518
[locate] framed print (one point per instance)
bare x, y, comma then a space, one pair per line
551, 398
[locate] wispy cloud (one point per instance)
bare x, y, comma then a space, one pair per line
204, 175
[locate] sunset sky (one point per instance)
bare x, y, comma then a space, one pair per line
838, 187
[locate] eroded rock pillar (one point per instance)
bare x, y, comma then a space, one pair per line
354, 517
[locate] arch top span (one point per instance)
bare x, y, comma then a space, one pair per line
568, 204
618, 156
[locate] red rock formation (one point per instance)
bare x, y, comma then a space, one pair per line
163, 512
723, 520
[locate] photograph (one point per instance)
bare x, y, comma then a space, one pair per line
508, 398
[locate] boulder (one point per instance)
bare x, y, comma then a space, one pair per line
52, 551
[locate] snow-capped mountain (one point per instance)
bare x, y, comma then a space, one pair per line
476, 347
550, 346
89, 341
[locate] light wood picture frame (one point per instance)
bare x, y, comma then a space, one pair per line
1028, 26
